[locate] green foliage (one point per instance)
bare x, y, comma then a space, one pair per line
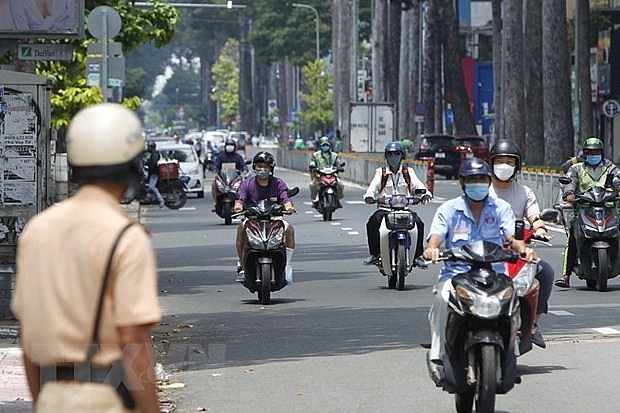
139, 25
226, 80
598, 22
319, 112
280, 30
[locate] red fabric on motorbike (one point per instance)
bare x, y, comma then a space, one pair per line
168, 170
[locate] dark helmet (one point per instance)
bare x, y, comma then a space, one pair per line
474, 166
593, 143
263, 157
152, 144
230, 142
394, 147
505, 147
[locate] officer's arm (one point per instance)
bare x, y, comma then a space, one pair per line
138, 363
33, 375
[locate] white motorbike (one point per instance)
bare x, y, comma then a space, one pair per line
398, 237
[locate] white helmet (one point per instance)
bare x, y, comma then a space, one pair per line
105, 143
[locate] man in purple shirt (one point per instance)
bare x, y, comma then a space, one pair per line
263, 186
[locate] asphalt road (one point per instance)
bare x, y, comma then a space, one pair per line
338, 340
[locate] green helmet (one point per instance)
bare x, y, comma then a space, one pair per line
593, 143
323, 140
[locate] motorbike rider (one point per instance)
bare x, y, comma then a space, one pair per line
229, 155
153, 172
584, 175
263, 186
505, 158
319, 159
470, 217
390, 180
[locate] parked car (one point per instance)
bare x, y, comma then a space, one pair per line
443, 149
477, 144
268, 142
189, 163
241, 138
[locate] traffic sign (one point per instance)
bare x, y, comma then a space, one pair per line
611, 108
104, 19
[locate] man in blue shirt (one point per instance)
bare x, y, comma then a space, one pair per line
471, 217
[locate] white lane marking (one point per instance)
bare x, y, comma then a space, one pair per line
346, 229
318, 216
560, 312
353, 233
355, 202
187, 209
336, 223
309, 212
608, 331
307, 203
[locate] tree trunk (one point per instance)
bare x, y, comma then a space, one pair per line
378, 50
415, 55
533, 150
341, 16
556, 82
392, 50
245, 74
453, 72
498, 87
514, 113
582, 26
404, 76
432, 60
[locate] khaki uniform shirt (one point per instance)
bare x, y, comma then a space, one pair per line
61, 259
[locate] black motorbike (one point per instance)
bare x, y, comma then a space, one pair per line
596, 233
481, 330
265, 252
227, 183
207, 162
171, 185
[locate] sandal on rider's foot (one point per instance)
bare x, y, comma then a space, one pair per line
563, 282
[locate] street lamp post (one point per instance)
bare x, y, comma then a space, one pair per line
316, 16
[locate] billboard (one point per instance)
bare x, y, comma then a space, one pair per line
41, 19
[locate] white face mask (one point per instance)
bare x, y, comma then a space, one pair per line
230, 148
503, 171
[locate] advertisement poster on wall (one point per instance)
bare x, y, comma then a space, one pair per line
41, 18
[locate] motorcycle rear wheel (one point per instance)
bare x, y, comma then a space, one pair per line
486, 387
401, 267
175, 199
264, 289
602, 270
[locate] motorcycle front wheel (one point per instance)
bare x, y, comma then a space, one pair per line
602, 270
464, 402
486, 387
264, 289
401, 267
328, 207
175, 198
227, 213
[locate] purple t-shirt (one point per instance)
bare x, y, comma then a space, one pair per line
251, 191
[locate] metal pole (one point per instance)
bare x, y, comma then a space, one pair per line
193, 5
104, 60
316, 16
577, 103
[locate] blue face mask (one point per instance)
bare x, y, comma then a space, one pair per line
477, 191
594, 159
325, 148
393, 159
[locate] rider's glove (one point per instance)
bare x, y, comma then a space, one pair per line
426, 199
369, 200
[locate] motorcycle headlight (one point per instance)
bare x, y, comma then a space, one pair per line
236, 186
220, 185
524, 279
484, 306
276, 239
254, 239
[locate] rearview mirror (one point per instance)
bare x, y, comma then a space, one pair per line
564, 180
293, 191
549, 215
419, 191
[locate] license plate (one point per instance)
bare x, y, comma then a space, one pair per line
469, 155
440, 155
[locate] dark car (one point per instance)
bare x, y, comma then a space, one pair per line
443, 149
475, 144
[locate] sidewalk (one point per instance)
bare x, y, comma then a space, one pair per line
14, 394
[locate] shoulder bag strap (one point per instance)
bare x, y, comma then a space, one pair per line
94, 342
